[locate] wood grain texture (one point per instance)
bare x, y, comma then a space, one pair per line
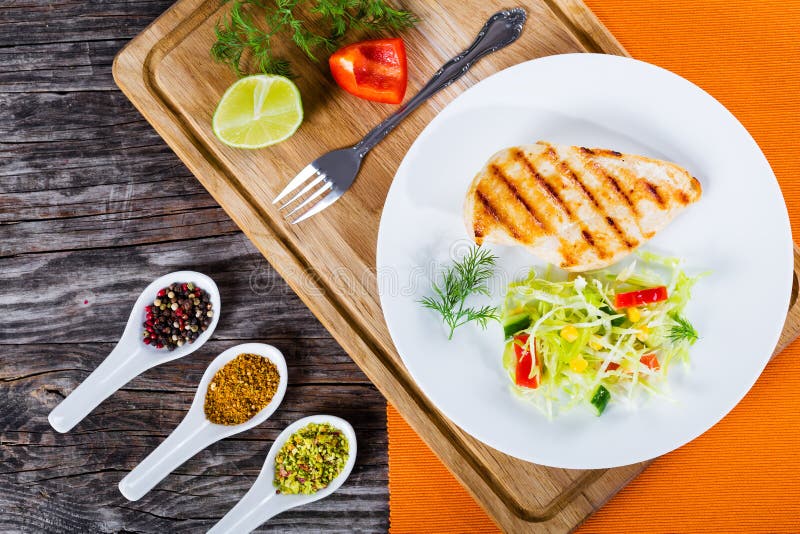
330, 261
93, 206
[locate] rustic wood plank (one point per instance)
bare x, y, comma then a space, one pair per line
56, 471
94, 205
161, 73
93, 307
70, 66
55, 141
89, 116
26, 22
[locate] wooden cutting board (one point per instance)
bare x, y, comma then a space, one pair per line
329, 260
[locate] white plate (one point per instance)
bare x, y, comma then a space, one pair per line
739, 230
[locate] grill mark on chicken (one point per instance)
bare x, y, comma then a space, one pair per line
592, 166
520, 157
563, 167
491, 210
500, 175
567, 249
653, 190
544, 222
478, 224
612, 181
640, 190
556, 207
622, 236
607, 153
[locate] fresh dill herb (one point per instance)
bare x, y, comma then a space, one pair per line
250, 26
682, 330
464, 278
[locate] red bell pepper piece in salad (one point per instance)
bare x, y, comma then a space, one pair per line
650, 361
525, 362
373, 70
640, 297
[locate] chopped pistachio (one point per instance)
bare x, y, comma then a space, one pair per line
310, 459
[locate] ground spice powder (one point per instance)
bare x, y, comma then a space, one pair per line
241, 389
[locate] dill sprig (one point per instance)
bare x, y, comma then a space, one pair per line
250, 26
464, 278
682, 330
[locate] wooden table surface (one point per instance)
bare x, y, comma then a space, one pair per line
94, 206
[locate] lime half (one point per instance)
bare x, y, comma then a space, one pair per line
258, 111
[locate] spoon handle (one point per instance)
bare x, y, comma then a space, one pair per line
119, 368
254, 509
194, 434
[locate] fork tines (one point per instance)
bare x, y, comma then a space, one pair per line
315, 191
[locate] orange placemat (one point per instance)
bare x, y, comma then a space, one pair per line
742, 475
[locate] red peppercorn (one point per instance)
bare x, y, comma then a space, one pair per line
146, 341
163, 322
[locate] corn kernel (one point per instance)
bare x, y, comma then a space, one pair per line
578, 364
595, 343
634, 314
643, 333
570, 333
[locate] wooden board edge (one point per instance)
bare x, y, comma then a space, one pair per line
281, 256
340, 329
791, 327
586, 27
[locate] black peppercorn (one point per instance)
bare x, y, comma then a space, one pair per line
174, 317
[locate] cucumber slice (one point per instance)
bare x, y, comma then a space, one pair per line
600, 399
515, 324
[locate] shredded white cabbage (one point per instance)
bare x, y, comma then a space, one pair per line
622, 355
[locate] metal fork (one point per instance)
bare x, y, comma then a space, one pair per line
326, 178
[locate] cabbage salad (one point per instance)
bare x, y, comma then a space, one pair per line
599, 337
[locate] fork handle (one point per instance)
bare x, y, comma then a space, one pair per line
502, 29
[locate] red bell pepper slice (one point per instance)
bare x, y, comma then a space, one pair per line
650, 361
373, 70
638, 298
522, 373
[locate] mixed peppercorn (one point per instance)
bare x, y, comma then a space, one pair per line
178, 315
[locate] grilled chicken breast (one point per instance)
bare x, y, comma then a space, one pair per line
578, 208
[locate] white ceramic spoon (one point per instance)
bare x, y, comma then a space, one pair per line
261, 502
131, 357
195, 432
